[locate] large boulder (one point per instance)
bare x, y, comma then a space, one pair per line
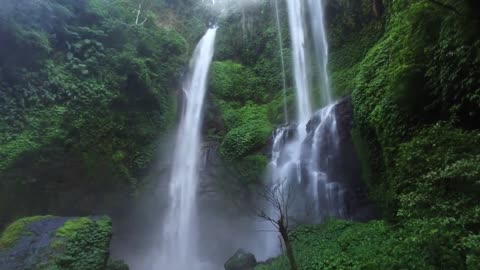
241, 260
56, 243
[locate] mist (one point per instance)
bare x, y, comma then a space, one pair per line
225, 223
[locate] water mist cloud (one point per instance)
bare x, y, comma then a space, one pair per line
230, 5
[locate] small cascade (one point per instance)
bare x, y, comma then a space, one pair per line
319, 151
178, 248
309, 166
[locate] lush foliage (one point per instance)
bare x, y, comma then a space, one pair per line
85, 244
413, 73
95, 61
353, 28
374, 245
413, 98
246, 87
84, 86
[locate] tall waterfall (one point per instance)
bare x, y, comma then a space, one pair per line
317, 21
302, 151
179, 240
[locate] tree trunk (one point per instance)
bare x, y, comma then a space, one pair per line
288, 247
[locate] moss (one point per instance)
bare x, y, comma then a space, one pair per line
15, 230
31, 138
234, 81
245, 139
72, 226
84, 243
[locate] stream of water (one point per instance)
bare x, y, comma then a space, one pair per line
179, 249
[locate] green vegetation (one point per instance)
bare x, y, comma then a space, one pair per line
353, 28
15, 230
96, 75
85, 242
86, 92
233, 81
413, 75
374, 245
246, 90
78, 244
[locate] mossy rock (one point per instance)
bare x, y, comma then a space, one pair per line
47, 242
245, 139
16, 230
242, 260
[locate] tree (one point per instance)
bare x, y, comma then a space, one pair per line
279, 199
143, 8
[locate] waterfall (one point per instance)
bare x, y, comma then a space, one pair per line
296, 10
317, 21
282, 61
179, 237
302, 152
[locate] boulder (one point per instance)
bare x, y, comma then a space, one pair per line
60, 243
241, 260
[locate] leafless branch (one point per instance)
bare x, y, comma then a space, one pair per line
279, 200
142, 9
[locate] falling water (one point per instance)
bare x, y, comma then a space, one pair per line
282, 61
296, 10
179, 239
302, 152
317, 21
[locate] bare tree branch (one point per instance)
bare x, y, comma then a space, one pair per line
279, 200
142, 8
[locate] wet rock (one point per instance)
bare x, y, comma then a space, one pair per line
242, 260
48, 242
330, 166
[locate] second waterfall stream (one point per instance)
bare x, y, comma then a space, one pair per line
179, 250
302, 152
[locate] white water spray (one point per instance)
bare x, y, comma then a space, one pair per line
179, 247
301, 153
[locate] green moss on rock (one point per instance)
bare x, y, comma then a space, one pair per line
245, 139
85, 244
16, 230
57, 243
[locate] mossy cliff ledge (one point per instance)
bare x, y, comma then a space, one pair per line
57, 243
